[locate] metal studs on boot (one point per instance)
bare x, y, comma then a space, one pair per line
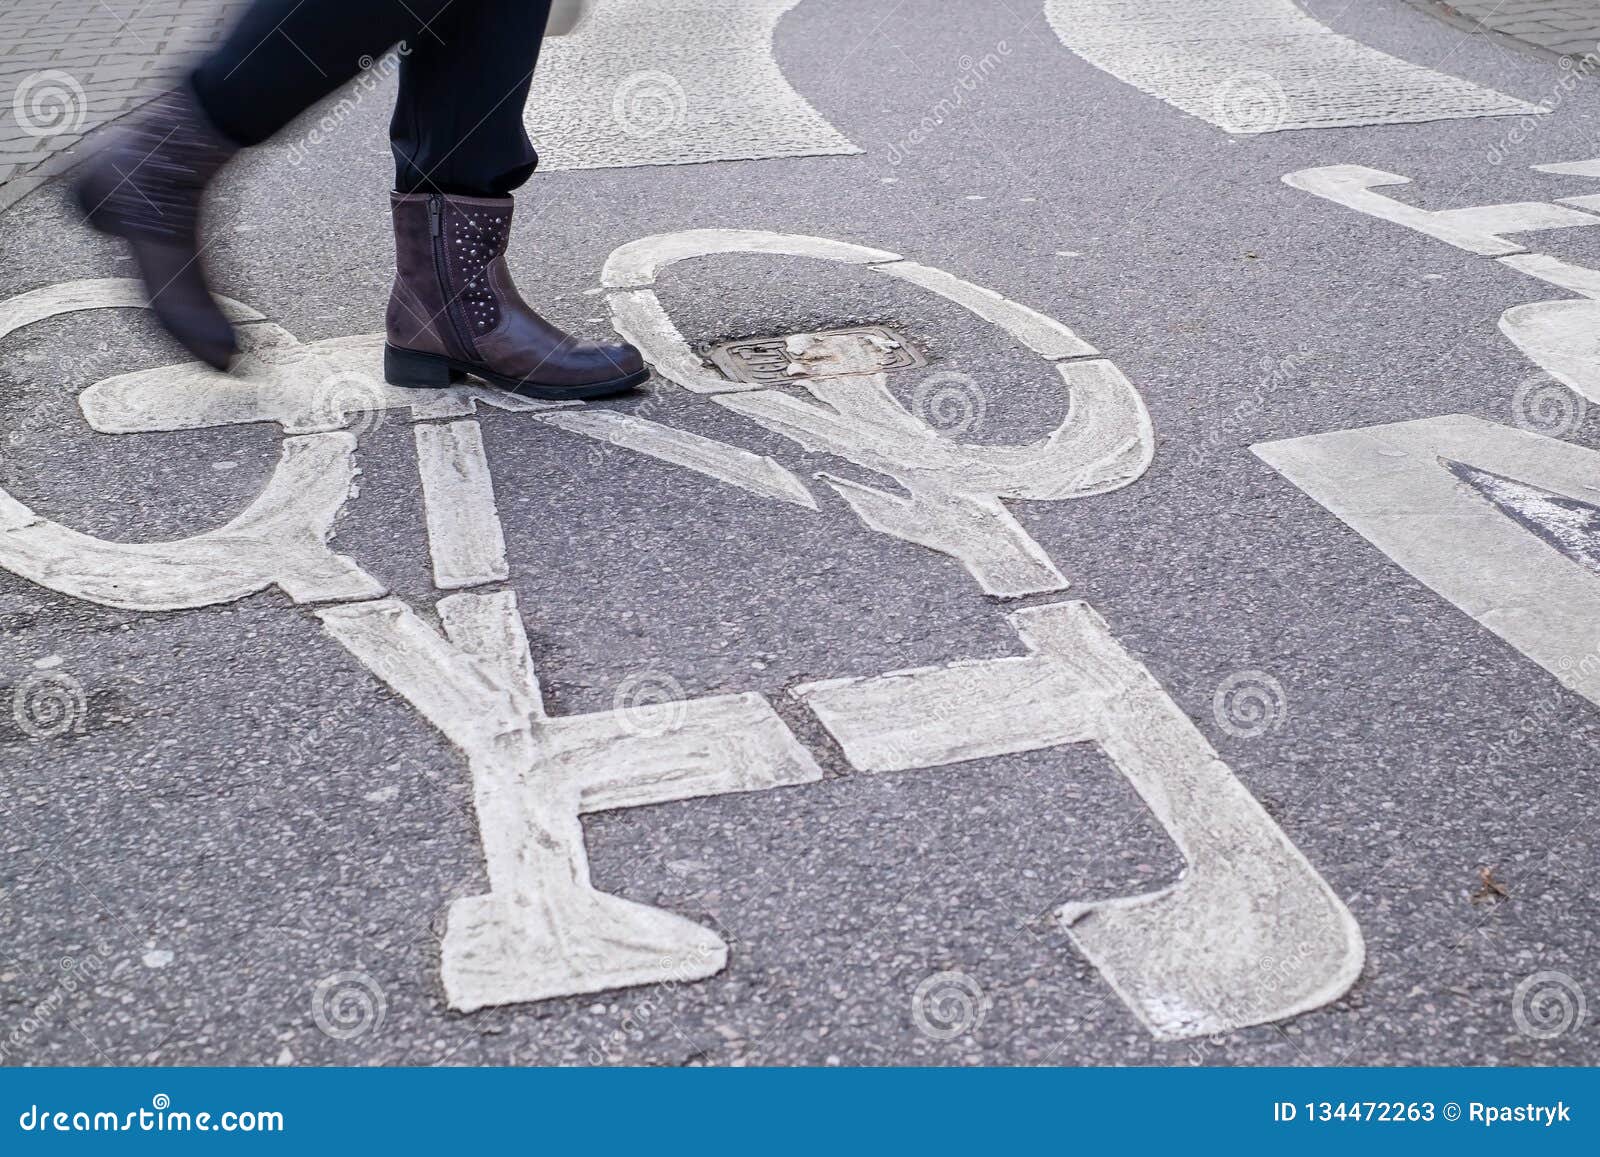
454, 310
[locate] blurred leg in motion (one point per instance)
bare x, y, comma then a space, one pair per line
465, 69
460, 149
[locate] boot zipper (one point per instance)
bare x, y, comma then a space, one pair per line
441, 269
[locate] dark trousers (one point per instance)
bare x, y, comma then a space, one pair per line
466, 66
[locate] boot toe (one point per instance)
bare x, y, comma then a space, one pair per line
627, 359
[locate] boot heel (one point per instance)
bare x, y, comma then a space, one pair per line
418, 371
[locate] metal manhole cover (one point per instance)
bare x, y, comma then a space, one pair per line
829, 353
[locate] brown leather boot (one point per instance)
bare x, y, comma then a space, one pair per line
454, 310
146, 187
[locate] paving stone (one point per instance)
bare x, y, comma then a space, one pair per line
85, 65
1569, 27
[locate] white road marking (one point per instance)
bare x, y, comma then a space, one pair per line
1477, 229
1251, 66
1588, 168
279, 540
326, 385
93, 293
489, 627
542, 930
956, 490
1389, 484
465, 540
1558, 335
1045, 336
637, 264
1563, 337
1576, 278
672, 82
1187, 959
1105, 442
756, 473
1569, 524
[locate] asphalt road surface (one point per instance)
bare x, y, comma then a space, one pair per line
245, 820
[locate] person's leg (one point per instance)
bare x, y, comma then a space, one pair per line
457, 131
282, 56
458, 121
460, 148
148, 185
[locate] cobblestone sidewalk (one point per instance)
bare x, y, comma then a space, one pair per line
1568, 27
70, 66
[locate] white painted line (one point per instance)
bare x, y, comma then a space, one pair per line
975, 529
637, 264
1575, 278
672, 82
327, 385
1188, 958
1563, 337
463, 697
489, 627
756, 473
1045, 336
464, 536
1477, 229
638, 317
280, 540
1589, 168
1252, 66
542, 930
1104, 442
93, 293
1389, 484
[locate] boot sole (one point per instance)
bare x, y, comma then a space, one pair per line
413, 370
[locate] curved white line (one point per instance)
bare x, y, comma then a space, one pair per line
672, 82
1253, 66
